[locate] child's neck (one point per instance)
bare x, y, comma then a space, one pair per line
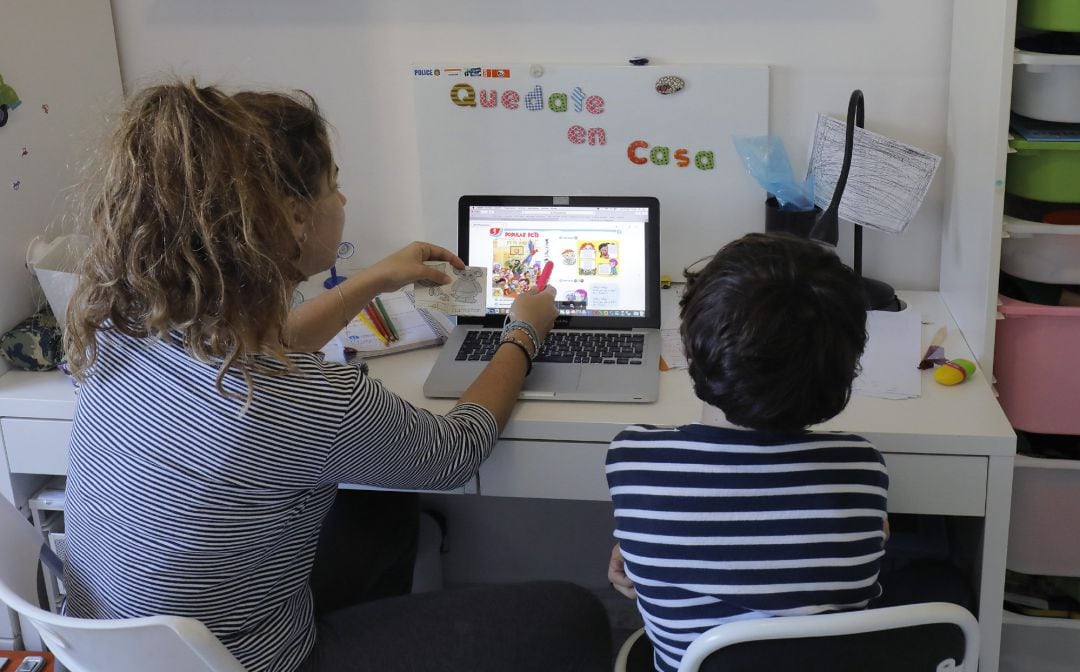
714, 417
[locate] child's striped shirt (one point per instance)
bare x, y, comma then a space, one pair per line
721, 524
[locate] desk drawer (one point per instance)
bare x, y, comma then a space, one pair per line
546, 470
951, 485
36, 446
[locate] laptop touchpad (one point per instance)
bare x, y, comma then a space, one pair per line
553, 378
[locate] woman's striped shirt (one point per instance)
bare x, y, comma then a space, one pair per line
181, 503
719, 524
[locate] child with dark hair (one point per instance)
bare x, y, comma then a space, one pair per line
749, 514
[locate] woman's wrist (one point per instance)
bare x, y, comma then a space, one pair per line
509, 340
522, 338
528, 330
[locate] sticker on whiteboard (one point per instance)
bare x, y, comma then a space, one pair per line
578, 96
534, 100
669, 84
9, 100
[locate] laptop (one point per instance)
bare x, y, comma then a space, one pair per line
606, 252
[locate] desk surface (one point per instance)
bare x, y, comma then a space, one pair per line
938, 428
967, 416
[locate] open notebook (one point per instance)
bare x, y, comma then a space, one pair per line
416, 328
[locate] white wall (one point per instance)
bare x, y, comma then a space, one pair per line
63, 55
354, 56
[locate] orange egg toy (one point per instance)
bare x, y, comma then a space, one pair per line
954, 371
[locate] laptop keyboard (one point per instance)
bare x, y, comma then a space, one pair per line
572, 347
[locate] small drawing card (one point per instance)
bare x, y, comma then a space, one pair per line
462, 296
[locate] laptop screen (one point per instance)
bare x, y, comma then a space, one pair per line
603, 271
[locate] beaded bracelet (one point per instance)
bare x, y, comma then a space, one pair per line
529, 330
528, 359
530, 338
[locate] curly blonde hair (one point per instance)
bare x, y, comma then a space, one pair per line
192, 224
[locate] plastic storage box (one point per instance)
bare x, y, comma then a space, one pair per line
1044, 171
1031, 644
1036, 367
1040, 540
1059, 15
1046, 254
1041, 212
1047, 92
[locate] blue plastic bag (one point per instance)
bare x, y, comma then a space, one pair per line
767, 162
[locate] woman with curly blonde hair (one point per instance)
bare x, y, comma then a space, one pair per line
210, 437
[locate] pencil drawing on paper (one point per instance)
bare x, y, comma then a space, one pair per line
466, 288
887, 182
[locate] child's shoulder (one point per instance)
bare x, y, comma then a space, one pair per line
651, 433
698, 433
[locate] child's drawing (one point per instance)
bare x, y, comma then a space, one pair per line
466, 288
461, 296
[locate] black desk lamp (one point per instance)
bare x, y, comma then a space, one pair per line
879, 295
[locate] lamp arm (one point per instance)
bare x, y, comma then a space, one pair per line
826, 228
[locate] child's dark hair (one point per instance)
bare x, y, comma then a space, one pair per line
774, 327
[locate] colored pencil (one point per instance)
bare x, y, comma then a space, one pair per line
386, 318
370, 325
373, 313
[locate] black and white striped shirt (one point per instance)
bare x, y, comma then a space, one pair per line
180, 504
719, 524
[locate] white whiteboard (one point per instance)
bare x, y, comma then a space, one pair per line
488, 129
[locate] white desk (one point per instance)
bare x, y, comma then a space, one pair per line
949, 452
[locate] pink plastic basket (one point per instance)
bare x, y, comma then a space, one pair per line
1037, 366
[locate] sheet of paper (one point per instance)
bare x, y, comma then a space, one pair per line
464, 295
887, 181
672, 349
890, 360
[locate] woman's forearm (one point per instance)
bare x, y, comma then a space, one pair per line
498, 385
313, 323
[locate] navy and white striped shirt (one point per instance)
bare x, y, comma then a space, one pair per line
179, 504
720, 524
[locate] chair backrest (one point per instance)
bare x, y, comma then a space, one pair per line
927, 637
160, 643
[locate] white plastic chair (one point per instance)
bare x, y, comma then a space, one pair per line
158, 643
788, 654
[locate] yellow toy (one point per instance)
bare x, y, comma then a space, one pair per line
954, 371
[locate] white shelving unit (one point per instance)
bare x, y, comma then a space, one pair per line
1044, 644
1042, 542
980, 92
1021, 228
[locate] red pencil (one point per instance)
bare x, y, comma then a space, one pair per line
542, 281
372, 312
